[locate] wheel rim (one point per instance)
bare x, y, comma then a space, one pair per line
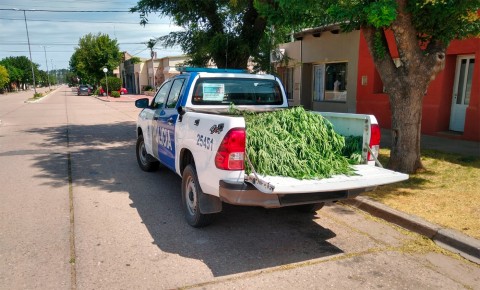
191, 196
142, 153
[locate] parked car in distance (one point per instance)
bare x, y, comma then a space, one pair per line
84, 90
102, 92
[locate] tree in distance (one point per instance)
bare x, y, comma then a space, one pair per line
94, 52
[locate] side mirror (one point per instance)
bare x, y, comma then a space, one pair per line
142, 103
181, 111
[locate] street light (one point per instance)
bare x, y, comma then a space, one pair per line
105, 70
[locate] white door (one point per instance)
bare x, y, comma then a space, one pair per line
462, 88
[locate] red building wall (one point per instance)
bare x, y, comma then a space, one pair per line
436, 104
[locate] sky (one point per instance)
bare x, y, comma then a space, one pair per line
54, 34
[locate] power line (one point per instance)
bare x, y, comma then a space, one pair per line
35, 51
76, 21
66, 11
53, 43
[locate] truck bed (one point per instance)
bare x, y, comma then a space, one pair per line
365, 176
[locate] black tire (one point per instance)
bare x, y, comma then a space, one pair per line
144, 161
309, 208
190, 194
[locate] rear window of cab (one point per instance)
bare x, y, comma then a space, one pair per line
239, 91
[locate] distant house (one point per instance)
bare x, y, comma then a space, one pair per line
136, 77
167, 67
325, 69
133, 74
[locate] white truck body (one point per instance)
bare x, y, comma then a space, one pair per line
178, 130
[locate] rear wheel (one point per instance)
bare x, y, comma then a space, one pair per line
144, 161
191, 192
309, 208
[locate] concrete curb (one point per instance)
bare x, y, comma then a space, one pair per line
30, 101
452, 240
113, 101
121, 99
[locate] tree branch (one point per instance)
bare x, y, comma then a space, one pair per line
385, 64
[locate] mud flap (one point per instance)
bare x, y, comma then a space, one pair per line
209, 204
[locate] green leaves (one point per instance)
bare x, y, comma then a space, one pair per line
443, 21
4, 77
294, 143
94, 52
381, 13
229, 32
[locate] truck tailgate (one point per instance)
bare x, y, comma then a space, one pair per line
365, 176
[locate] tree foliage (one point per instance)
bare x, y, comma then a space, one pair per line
114, 84
95, 52
227, 31
4, 78
20, 70
135, 59
422, 31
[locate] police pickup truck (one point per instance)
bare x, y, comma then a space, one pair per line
186, 128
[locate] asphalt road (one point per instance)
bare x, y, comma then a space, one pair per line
77, 213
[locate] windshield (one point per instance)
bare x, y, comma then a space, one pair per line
224, 91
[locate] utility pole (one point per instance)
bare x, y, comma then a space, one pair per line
46, 63
29, 50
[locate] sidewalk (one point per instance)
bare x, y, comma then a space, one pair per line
443, 144
449, 239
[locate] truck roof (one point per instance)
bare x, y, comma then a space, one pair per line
223, 72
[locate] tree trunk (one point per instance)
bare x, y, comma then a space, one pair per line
405, 84
406, 130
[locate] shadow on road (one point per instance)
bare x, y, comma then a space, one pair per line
241, 239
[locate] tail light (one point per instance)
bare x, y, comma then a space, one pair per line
375, 136
231, 152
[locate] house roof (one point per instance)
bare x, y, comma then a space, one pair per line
317, 31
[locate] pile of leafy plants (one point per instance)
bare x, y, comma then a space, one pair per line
295, 143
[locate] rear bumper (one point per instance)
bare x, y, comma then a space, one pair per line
247, 194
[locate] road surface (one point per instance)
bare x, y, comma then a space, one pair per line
78, 213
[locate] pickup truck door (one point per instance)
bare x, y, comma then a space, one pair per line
154, 115
165, 119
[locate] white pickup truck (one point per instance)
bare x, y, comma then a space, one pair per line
187, 128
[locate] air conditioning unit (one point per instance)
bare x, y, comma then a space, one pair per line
277, 55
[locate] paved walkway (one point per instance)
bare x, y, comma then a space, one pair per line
443, 144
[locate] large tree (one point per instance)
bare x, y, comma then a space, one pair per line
422, 31
20, 70
227, 31
94, 52
4, 78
